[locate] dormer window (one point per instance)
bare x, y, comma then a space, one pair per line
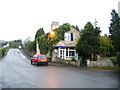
68, 36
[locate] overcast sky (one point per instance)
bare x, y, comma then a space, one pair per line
20, 19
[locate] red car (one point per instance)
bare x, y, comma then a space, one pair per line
39, 59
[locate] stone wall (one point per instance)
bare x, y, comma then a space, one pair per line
100, 63
106, 62
68, 62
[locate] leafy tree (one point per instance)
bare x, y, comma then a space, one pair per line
15, 43
89, 41
39, 33
31, 45
19, 41
42, 41
114, 30
106, 48
76, 27
12, 44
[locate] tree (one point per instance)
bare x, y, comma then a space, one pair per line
15, 43
89, 41
31, 45
76, 27
38, 36
114, 30
42, 41
39, 32
12, 44
106, 48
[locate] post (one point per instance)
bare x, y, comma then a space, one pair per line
37, 48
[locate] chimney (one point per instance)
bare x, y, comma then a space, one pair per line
54, 25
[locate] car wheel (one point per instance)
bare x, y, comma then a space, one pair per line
32, 62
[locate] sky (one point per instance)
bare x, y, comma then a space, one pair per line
20, 19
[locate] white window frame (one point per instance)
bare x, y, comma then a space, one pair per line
69, 52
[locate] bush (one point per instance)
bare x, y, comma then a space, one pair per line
31, 45
118, 58
3, 52
73, 59
114, 60
48, 55
0, 52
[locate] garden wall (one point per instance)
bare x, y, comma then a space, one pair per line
106, 62
68, 62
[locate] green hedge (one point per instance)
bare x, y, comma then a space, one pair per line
3, 52
116, 60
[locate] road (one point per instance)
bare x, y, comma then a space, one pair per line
17, 72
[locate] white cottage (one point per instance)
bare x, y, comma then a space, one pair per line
65, 49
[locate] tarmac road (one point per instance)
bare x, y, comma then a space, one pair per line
17, 72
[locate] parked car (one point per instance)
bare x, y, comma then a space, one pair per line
39, 59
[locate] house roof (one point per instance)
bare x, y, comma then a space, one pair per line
66, 43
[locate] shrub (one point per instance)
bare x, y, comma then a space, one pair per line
3, 52
118, 58
48, 55
114, 60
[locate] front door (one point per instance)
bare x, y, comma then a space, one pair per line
62, 53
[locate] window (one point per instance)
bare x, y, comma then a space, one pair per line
60, 53
41, 56
68, 36
71, 36
35, 56
70, 52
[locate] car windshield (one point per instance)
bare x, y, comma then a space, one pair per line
41, 56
